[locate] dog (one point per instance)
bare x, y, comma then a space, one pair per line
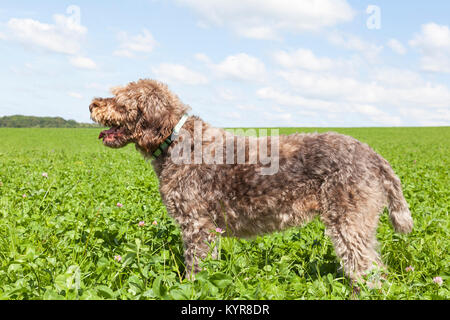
330, 175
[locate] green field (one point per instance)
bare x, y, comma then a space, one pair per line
61, 235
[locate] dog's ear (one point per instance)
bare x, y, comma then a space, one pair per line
157, 118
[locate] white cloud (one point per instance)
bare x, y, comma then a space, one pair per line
396, 77
321, 85
75, 95
432, 37
247, 107
64, 36
202, 58
304, 59
286, 99
433, 42
232, 115
375, 95
439, 117
369, 50
378, 116
267, 19
327, 108
280, 116
129, 45
379, 90
226, 94
428, 95
396, 46
438, 62
82, 62
258, 32
179, 73
238, 67
123, 53
97, 86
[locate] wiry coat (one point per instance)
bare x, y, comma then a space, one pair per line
329, 174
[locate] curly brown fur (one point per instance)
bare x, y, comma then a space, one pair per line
331, 175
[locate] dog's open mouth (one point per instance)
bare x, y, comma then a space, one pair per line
112, 134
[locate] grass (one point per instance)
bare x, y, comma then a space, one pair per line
61, 235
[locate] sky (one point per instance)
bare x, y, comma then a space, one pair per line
236, 63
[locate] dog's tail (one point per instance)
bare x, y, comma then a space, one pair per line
399, 213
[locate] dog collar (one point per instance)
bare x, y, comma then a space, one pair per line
175, 132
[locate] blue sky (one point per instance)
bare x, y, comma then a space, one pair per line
236, 63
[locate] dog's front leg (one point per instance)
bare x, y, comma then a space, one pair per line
196, 240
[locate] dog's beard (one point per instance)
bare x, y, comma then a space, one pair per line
115, 137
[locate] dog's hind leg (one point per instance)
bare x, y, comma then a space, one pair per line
351, 217
357, 249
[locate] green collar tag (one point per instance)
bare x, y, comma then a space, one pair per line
166, 143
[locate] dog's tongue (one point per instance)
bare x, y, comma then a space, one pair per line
107, 132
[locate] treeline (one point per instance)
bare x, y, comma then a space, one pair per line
19, 121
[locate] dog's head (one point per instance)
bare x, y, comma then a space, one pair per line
143, 112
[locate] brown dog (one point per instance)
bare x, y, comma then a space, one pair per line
331, 175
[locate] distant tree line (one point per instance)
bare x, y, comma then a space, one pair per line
18, 121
